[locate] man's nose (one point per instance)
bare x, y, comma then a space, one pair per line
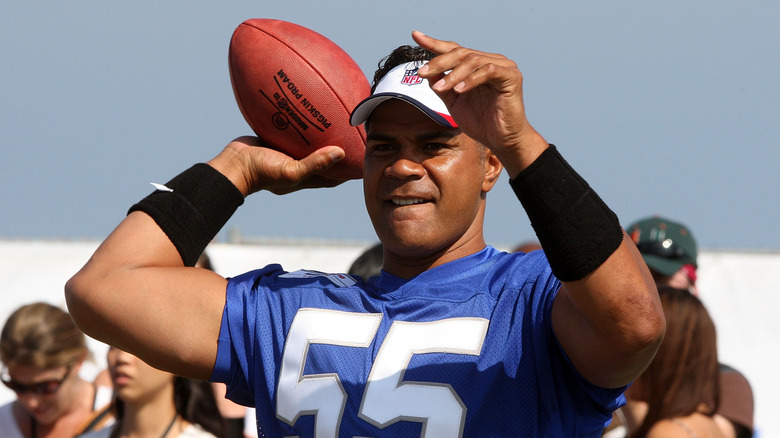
406, 165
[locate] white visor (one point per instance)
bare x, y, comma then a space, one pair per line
403, 83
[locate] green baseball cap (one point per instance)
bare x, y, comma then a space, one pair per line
665, 245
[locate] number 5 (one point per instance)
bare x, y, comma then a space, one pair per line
387, 398
320, 394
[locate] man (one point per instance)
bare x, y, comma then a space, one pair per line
671, 253
454, 338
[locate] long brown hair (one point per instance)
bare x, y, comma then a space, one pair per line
684, 376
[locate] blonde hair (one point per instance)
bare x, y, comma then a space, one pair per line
41, 335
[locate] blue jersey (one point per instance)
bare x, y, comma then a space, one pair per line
463, 349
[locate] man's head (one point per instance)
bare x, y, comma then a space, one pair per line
669, 250
424, 180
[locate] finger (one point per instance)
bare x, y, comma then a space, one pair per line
476, 69
429, 43
500, 77
303, 174
314, 182
438, 71
448, 69
315, 162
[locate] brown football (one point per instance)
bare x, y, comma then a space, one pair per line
296, 89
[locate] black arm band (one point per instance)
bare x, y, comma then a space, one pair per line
199, 203
576, 229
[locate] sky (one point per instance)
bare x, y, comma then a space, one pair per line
665, 107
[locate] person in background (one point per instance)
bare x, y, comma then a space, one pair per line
154, 403
42, 352
678, 394
670, 251
369, 263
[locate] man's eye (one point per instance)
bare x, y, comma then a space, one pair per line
380, 147
434, 146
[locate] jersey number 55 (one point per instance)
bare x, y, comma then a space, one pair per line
387, 398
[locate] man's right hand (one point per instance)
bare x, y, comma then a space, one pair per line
252, 167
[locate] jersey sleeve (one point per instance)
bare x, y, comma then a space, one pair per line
602, 400
238, 344
569, 402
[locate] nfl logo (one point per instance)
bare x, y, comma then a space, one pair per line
411, 78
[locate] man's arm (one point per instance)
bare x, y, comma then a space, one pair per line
610, 323
607, 315
135, 292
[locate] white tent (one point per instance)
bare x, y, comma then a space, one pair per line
740, 289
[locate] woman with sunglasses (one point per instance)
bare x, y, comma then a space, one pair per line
42, 352
152, 403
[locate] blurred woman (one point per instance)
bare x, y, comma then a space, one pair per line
42, 353
677, 395
156, 404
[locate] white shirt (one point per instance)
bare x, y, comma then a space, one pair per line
8, 422
10, 429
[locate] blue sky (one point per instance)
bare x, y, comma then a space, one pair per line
667, 108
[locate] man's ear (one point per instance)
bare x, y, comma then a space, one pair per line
493, 168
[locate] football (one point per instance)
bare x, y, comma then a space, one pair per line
296, 89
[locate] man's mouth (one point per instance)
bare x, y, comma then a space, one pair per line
407, 201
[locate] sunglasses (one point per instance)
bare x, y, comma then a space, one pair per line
47, 387
666, 249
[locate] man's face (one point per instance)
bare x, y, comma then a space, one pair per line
424, 184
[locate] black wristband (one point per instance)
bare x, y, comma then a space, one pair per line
197, 204
576, 229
